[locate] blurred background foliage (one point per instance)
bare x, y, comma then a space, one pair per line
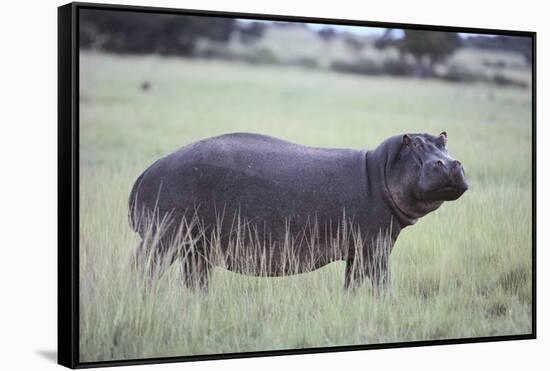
501, 60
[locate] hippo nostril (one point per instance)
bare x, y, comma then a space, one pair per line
457, 163
440, 163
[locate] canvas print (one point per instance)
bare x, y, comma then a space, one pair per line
252, 185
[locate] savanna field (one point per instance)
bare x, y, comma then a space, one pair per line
462, 271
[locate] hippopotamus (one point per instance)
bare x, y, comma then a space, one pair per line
259, 205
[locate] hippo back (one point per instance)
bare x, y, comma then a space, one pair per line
270, 183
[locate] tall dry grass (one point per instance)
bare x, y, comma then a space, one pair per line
462, 271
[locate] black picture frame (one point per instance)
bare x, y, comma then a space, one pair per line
68, 184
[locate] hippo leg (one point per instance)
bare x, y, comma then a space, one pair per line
380, 278
150, 262
195, 269
378, 273
137, 260
355, 274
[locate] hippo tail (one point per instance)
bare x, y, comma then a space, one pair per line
133, 217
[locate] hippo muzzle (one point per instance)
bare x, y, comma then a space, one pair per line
452, 182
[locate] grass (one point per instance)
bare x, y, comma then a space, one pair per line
462, 271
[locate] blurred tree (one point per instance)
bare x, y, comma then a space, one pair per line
390, 40
251, 32
327, 33
518, 44
143, 33
433, 46
354, 43
387, 39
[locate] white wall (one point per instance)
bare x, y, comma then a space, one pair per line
28, 182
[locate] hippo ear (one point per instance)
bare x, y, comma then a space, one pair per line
442, 140
443, 137
407, 140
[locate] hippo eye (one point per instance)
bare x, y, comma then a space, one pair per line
417, 162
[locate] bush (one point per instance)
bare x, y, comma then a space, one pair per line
306, 62
503, 80
456, 73
361, 67
216, 50
368, 67
143, 33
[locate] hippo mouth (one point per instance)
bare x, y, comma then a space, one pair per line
449, 193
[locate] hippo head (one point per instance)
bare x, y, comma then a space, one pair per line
420, 174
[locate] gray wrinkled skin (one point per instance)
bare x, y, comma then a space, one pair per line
291, 200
